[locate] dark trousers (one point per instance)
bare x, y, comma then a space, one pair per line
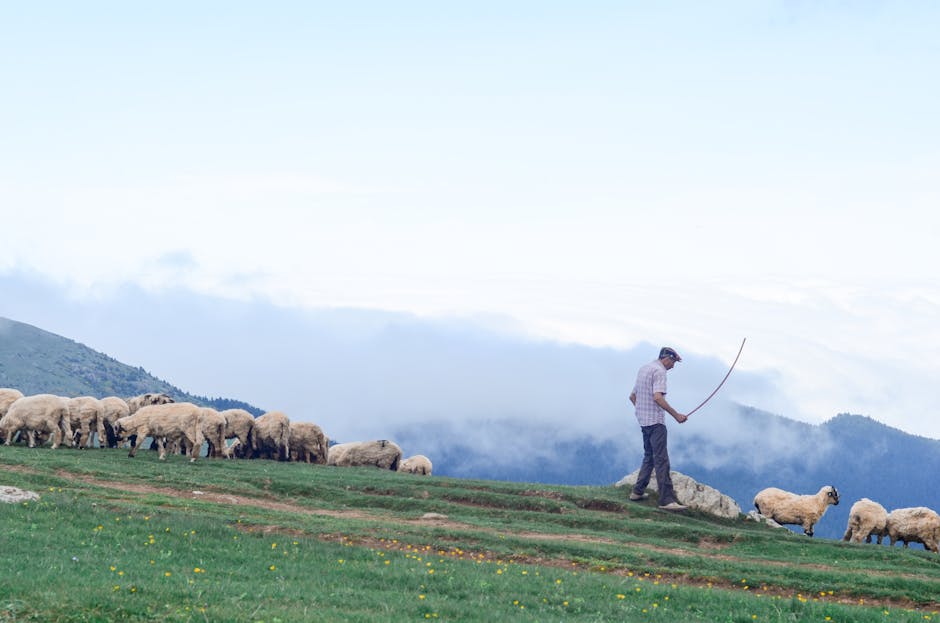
655, 456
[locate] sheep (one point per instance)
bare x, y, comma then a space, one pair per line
238, 424
417, 464
83, 417
271, 436
171, 422
383, 454
111, 410
308, 443
212, 425
143, 400
866, 519
8, 396
914, 525
40, 413
789, 508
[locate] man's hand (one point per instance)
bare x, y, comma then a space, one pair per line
680, 417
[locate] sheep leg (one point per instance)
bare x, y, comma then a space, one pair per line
136, 440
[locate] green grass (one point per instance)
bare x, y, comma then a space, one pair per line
119, 539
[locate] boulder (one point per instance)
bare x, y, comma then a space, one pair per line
693, 494
12, 495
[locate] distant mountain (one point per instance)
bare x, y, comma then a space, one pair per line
38, 362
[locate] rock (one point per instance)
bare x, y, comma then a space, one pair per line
433, 517
12, 495
693, 494
755, 516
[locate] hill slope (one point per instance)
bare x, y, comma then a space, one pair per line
36, 362
260, 540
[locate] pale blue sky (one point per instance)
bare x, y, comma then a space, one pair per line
597, 172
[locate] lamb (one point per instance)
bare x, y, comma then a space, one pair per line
83, 417
271, 436
238, 424
789, 508
111, 410
165, 423
417, 464
866, 519
914, 525
45, 414
308, 443
383, 454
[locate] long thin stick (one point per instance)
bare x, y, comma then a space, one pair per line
722, 381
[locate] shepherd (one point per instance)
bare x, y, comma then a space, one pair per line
649, 398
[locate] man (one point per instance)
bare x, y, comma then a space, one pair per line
649, 398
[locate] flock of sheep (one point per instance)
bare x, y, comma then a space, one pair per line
866, 518
184, 427
236, 433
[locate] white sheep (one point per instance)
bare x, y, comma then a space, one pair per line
238, 425
417, 464
866, 519
8, 396
136, 402
270, 436
42, 414
112, 409
791, 509
308, 444
382, 453
165, 423
83, 417
914, 525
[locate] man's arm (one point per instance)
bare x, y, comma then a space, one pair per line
633, 398
660, 399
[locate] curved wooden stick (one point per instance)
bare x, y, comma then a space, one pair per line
722, 381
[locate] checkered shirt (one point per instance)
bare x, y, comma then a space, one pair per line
651, 378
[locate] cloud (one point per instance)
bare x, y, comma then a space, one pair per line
359, 373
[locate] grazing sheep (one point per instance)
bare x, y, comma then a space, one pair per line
914, 525
83, 417
212, 425
43, 414
417, 464
308, 443
111, 410
165, 423
8, 396
270, 437
866, 519
143, 400
792, 509
383, 454
238, 425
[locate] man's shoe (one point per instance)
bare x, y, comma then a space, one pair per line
673, 506
637, 497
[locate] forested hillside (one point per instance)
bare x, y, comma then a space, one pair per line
38, 362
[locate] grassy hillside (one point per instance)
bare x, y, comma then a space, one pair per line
38, 362
114, 538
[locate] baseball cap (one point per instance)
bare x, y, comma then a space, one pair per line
665, 351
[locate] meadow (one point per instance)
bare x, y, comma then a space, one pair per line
119, 539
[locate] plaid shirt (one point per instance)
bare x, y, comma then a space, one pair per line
650, 379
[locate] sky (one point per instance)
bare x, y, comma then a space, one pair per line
603, 174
